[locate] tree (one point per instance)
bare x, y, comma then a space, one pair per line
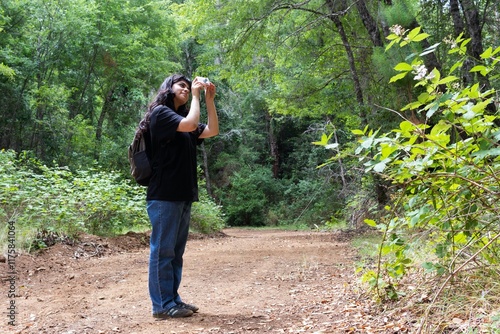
445, 210
71, 58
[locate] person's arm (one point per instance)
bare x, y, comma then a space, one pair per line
190, 122
212, 128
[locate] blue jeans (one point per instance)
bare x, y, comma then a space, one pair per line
170, 229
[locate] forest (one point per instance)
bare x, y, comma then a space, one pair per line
334, 114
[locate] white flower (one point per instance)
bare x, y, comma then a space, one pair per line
397, 30
450, 41
420, 72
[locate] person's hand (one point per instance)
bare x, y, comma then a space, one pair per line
210, 91
196, 86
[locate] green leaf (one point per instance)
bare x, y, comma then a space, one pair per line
447, 79
458, 64
332, 146
370, 222
430, 49
478, 68
398, 77
387, 150
424, 97
7, 71
420, 37
428, 266
465, 42
470, 114
460, 238
487, 54
412, 106
403, 67
406, 127
379, 167
367, 143
391, 44
441, 250
324, 140
392, 37
433, 108
494, 152
412, 34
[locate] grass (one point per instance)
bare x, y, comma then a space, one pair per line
367, 244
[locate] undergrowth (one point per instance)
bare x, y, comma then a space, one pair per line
46, 204
438, 252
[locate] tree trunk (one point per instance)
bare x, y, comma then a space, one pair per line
335, 17
36, 142
474, 27
208, 183
475, 49
459, 28
86, 83
274, 151
458, 22
341, 164
369, 23
104, 111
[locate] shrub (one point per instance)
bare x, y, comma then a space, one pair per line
442, 220
206, 216
41, 200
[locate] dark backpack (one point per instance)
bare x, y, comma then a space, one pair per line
140, 167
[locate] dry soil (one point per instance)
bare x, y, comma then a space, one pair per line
244, 281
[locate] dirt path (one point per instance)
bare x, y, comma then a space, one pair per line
247, 282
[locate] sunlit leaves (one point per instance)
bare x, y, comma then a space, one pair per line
413, 36
459, 46
403, 67
6, 71
324, 140
446, 170
398, 77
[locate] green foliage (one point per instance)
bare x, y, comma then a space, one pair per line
6, 71
401, 12
55, 201
38, 198
445, 175
83, 71
247, 197
309, 202
79, 74
206, 215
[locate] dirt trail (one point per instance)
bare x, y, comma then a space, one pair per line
250, 281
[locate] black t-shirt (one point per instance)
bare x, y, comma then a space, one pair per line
173, 158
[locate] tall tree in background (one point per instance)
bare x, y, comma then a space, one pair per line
313, 58
77, 75
81, 65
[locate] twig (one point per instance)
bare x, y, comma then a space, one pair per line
450, 276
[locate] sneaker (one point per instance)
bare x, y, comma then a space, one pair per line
174, 312
193, 308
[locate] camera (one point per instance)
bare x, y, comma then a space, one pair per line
205, 81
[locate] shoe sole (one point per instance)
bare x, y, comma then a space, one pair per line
185, 313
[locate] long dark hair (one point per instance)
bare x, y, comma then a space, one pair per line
165, 97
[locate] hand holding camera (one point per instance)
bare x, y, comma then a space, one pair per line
209, 87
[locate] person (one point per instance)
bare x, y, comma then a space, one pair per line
173, 131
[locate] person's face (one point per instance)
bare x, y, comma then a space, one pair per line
181, 91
